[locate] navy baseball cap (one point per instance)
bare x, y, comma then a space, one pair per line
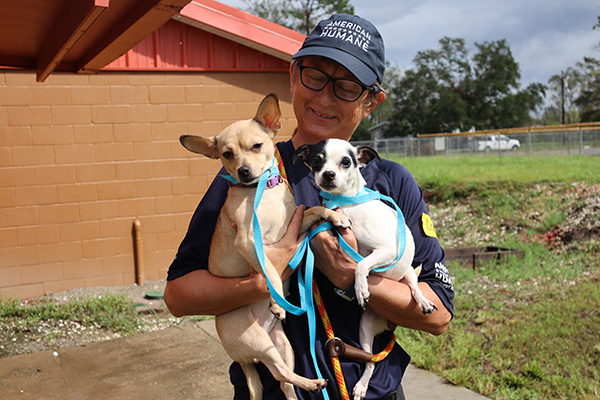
351, 41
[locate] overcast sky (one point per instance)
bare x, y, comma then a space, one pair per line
545, 36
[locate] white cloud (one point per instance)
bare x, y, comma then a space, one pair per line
545, 36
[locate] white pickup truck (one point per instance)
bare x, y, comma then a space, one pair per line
498, 143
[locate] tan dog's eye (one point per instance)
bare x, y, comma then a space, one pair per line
227, 155
257, 147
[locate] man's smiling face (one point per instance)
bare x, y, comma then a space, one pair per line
320, 114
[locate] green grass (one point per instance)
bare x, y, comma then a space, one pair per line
458, 176
113, 311
524, 328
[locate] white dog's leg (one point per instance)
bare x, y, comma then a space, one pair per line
377, 258
370, 325
410, 278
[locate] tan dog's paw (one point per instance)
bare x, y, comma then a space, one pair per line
277, 311
319, 384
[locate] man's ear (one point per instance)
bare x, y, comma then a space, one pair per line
378, 98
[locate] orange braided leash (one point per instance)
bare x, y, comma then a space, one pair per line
383, 354
337, 368
282, 169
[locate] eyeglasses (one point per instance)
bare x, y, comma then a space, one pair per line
344, 89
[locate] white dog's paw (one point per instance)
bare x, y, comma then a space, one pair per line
359, 392
361, 287
427, 306
339, 220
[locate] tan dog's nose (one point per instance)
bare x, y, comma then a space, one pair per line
244, 173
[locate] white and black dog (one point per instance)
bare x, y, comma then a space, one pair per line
335, 164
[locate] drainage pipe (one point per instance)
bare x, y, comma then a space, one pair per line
138, 252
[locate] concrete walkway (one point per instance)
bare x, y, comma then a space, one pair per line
181, 363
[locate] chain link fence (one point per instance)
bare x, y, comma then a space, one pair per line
580, 139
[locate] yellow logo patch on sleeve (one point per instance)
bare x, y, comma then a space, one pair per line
427, 224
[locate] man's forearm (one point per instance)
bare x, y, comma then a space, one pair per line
393, 300
201, 293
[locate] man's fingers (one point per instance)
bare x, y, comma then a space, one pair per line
349, 237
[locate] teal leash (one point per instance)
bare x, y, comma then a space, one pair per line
304, 282
333, 201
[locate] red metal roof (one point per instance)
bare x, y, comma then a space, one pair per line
179, 47
211, 36
242, 27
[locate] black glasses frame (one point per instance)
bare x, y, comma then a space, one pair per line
334, 82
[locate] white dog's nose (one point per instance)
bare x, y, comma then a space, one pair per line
329, 175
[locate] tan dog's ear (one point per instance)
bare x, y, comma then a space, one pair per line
201, 145
269, 114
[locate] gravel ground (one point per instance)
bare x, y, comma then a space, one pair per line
54, 335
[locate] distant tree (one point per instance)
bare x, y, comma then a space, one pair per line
384, 111
272, 10
588, 100
564, 89
597, 26
449, 91
575, 92
299, 15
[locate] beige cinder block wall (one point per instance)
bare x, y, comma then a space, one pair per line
83, 156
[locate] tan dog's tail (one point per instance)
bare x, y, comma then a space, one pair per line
253, 379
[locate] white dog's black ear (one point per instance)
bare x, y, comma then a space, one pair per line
366, 155
269, 114
302, 153
201, 145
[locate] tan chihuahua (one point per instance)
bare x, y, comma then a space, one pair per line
254, 333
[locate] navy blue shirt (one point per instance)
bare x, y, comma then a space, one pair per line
390, 179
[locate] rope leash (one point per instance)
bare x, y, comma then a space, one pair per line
335, 361
337, 367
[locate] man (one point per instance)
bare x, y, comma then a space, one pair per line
335, 82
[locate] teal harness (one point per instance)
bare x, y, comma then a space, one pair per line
333, 201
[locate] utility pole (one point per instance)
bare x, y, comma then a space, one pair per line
562, 97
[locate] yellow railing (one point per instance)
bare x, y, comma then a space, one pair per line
530, 129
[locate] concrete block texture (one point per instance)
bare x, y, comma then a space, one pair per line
83, 156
